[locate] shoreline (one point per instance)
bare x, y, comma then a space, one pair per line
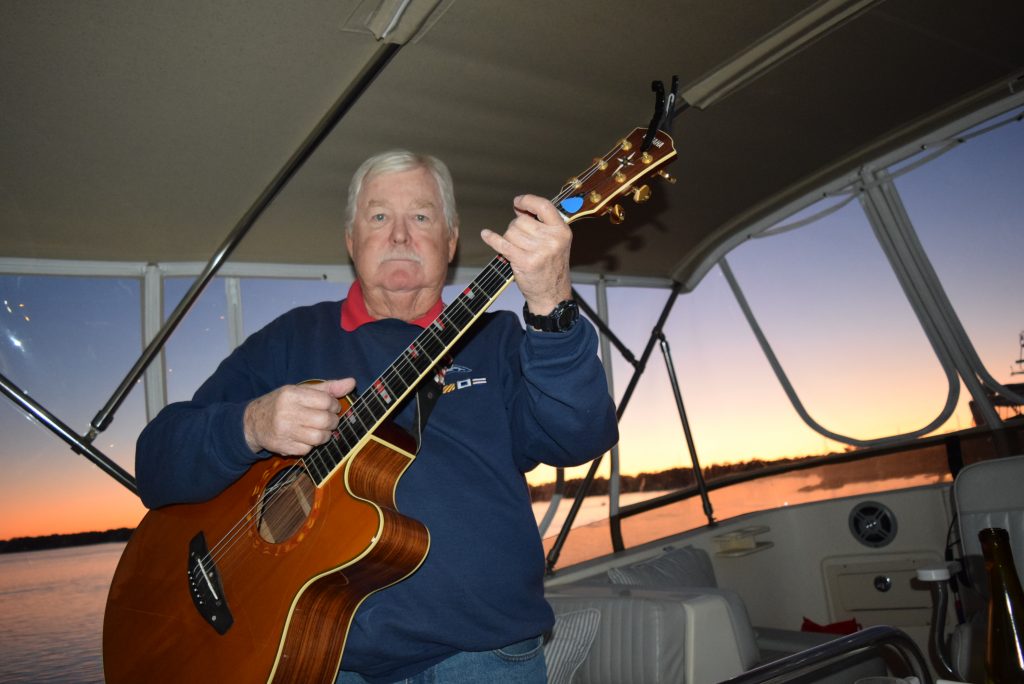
61, 541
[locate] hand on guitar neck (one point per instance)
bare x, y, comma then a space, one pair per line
293, 419
537, 245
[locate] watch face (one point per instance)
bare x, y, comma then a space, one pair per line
562, 318
568, 315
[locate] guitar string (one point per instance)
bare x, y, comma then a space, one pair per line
219, 551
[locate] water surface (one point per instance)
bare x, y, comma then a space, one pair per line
51, 613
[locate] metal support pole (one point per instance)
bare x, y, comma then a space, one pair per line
337, 111
702, 486
77, 442
581, 493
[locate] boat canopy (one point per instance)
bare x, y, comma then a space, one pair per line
141, 133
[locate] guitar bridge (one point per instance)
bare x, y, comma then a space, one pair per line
205, 587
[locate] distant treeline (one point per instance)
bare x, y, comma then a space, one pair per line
928, 460
673, 478
58, 541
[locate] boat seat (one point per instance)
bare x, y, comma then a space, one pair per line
658, 636
985, 494
664, 619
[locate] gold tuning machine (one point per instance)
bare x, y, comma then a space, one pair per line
641, 193
615, 214
667, 176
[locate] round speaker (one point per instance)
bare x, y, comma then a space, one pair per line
872, 524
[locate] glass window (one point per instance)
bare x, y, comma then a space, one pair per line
965, 207
67, 342
842, 329
200, 341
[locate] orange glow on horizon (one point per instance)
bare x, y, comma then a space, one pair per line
75, 502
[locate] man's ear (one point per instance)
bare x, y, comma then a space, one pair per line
348, 244
453, 243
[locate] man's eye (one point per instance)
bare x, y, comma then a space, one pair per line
378, 217
422, 218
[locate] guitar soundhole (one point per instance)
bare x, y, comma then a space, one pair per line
285, 504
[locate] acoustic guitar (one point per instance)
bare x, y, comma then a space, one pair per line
261, 583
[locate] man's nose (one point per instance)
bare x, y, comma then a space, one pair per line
400, 231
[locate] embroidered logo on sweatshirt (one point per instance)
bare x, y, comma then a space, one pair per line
463, 384
457, 369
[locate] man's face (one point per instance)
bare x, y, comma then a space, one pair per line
400, 240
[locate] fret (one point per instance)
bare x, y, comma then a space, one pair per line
348, 429
432, 342
362, 417
467, 310
415, 360
444, 332
407, 370
334, 452
380, 403
313, 467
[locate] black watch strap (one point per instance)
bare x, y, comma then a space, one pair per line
561, 319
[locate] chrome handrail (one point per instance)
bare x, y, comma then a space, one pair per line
836, 652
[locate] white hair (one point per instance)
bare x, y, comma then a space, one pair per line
396, 161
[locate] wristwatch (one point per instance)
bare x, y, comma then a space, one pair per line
561, 319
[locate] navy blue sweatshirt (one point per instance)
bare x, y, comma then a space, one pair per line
516, 399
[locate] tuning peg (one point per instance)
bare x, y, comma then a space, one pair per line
641, 193
615, 214
667, 176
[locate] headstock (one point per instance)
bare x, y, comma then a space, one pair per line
616, 174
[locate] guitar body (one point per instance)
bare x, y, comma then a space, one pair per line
293, 562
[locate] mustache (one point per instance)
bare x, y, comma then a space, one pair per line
400, 255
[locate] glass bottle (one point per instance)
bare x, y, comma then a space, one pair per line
1004, 646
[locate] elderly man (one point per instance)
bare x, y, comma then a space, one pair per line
474, 611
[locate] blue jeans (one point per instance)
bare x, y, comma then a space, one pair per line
519, 663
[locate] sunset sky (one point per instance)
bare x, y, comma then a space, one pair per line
823, 294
